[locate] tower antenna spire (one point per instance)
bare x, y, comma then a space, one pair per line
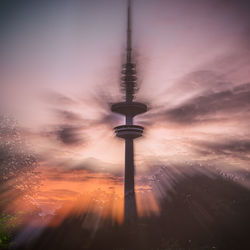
129, 72
129, 33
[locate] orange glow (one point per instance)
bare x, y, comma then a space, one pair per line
76, 192
80, 191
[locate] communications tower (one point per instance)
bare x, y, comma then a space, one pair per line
129, 131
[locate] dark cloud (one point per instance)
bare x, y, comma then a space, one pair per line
70, 135
199, 108
210, 106
234, 148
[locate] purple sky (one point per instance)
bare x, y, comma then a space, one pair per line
60, 69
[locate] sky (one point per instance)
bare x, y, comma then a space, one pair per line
60, 71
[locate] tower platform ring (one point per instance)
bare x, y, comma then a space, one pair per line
129, 131
129, 108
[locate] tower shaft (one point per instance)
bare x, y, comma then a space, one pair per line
130, 212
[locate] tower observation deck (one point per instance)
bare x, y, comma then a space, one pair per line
129, 131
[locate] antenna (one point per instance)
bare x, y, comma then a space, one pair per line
129, 72
129, 34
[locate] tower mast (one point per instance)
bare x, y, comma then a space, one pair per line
129, 131
129, 33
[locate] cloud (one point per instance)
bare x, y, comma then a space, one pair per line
69, 116
210, 106
64, 108
202, 80
111, 120
94, 165
60, 193
71, 124
202, 107
57, 98
70, 135
235, 148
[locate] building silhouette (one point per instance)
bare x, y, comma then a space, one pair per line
129, 108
